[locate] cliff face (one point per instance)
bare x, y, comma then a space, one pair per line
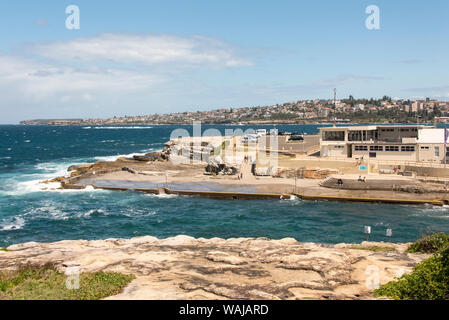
243, 268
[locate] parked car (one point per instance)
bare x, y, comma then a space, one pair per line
297, 137
249, 138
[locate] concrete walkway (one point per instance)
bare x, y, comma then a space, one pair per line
247, 174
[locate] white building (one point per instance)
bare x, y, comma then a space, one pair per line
386, 142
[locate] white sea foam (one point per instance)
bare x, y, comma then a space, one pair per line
162, 196
130, 155
113, 158
31, 183
89, 213
49, 210
14, 223
441, 212
118, 128
138, 212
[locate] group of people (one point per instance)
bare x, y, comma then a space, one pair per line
359, 161
248, 159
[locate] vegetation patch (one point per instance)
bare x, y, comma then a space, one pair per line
429, 279
46, 283
430, 243
374, 248
4, 249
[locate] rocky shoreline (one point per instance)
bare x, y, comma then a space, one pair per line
243, 268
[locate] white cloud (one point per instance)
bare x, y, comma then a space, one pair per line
88, 70
37, 81
143, 49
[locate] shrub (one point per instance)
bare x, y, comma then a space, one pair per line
430, 243
428, 281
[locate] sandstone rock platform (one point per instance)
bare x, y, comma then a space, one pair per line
243, 268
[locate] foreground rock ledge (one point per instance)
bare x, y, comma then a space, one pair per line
186, 268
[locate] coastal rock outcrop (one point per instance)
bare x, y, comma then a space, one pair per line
152, 156
244, 268
216, 166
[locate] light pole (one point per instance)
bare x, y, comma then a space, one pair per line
295, 182
445, 142
166, 179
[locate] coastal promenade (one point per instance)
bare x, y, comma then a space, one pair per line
273, 196
192, 182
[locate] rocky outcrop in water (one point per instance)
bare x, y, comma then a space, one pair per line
152, 156
186, 268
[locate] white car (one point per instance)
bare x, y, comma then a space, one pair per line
250, 138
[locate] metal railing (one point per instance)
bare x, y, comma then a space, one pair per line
431, 164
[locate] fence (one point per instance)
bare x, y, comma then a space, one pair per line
379, 162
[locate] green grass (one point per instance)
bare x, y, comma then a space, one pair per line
429, 279
46, 283
4, 249
374, 248
430, 243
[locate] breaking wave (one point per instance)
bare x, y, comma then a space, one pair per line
14, 223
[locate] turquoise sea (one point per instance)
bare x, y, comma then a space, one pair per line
31, 154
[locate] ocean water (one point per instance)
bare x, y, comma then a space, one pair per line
27, 213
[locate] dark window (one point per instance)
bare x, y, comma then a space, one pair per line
392, 148
372, 154
334, 135
407, 148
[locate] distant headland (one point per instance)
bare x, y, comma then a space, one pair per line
384, 110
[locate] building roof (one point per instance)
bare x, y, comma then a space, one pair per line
374, 127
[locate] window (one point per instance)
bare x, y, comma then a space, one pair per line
392, 148
361, 148
425, 148
334, 136
437, 151
404, 130
376, 148
407, 148
372, 154
339, 147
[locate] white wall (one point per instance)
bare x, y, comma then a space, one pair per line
431, 136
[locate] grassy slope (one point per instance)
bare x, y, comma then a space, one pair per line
45, 283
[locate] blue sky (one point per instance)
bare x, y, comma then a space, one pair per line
142, 57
